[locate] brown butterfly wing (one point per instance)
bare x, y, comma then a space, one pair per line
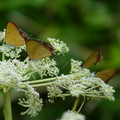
36, 50
92, 59
42, 52
106, 75
31, 47
13, 37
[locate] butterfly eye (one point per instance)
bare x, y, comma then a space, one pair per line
93, 59
14, 35
38, 49
106, 75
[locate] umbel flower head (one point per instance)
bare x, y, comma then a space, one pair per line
11, 73
81, 81
69, 115
32, 101
60, 46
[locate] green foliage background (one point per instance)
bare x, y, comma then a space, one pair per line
85, 25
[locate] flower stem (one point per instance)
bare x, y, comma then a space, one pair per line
47, 79
44, 84
3, 56
42, 80
81, 105
7, 106
75, 104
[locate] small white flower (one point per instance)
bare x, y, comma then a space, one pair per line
69, 115
108, 92
2, 35
59, 46
53, 91
12, 72
75, 66
11, 51
77, 90
44, 67
32, 102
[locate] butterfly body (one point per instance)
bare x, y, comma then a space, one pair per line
24, 35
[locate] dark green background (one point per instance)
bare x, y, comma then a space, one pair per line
85, 25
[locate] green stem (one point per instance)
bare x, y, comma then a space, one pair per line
7, 106
39, 85
42, 80
3, 56
47, 79
81, 105
75, 104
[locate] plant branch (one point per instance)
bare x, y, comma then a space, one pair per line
7, 106
75, 104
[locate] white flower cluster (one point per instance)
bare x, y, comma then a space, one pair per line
82, 82
60, 46
69, 115
2, 35
12, 72
11, 51
32, 101
53, 91
13, 76
44, 67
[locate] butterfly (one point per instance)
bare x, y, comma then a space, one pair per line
106, 75
14, 35
37, 49
93, 59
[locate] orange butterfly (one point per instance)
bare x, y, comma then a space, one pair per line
38, 49
93, 59
106, 75
14, 35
